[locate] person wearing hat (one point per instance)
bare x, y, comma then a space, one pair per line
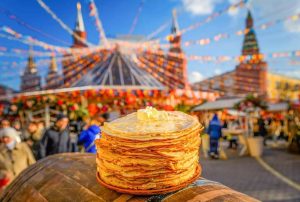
57, 138
6, 124
15, 156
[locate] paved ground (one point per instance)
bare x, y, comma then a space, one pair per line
246, 175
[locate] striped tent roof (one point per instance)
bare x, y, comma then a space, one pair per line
118, 69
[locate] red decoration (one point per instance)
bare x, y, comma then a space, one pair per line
93, 109
60, 102
4, 182
72, 108
130, 99
168, 108
121, 93
104, 109
140, 93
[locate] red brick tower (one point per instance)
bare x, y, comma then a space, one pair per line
79, 29
251, 73
176, 55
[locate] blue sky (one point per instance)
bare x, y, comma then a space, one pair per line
117, 18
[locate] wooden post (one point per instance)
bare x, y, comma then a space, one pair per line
47, 116
84, 101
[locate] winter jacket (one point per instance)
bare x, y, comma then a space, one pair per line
87, 138
262, 127
215, 128
54, 142
16, 160
35, 138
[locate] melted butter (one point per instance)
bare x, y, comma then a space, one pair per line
151, 113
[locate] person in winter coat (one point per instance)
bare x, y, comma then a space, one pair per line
87, 138
57, 138
215, 132
15, 156
6, 124
262, 129
35, 135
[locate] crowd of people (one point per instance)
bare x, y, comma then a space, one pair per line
22, 146
271, 128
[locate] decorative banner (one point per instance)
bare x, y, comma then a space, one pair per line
94, 13
12, 16
294, 62
136, 18
30, 40
21, 52
224, 58
61, 23
243, 58
158, 30
210, 18
218, 37
68, 98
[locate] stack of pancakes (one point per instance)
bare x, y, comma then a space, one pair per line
142, 153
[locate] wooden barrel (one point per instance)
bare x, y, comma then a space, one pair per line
72, 177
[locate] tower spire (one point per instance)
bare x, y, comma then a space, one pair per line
175, 37
175, 26
253, 68
79, 29
31, 66
30, 80
249, 20
79, 20
53, 65
250, 44
53, 79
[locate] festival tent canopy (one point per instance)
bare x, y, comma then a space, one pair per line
229, 104
234, 112
119, 70
283, 106
218, 104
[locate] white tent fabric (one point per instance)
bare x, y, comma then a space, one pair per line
283, 106
218, 104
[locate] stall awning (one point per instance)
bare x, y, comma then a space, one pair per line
218, 104
283, 106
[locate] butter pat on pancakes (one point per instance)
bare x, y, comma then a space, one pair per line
145, 125
151, 113
149, 151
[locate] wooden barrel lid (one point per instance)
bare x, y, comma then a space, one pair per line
72, 177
